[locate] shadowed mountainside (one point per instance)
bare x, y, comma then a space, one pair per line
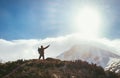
53, 68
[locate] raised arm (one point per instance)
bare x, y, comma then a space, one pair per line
46, 47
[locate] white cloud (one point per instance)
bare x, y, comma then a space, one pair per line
27, 49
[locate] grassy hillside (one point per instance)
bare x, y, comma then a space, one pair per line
53, 68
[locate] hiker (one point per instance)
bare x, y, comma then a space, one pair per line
41, 51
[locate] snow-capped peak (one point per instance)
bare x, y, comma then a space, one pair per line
90, 53
113, 65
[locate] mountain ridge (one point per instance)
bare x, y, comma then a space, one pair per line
53, 68
89, 53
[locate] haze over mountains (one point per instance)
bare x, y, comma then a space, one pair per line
91, 53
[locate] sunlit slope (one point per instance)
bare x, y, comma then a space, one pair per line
90, 53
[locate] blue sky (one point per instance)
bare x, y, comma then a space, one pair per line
35, 19
27, 24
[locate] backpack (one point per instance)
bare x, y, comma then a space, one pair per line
39, 50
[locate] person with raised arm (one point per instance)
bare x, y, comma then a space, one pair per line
41, 51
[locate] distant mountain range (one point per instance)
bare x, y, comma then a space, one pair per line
99, 55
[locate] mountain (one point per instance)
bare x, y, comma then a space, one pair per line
53, 68
113, 65
91, 53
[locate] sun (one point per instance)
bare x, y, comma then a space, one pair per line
87, 21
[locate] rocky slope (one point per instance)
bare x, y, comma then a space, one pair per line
53, 68
114, 65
